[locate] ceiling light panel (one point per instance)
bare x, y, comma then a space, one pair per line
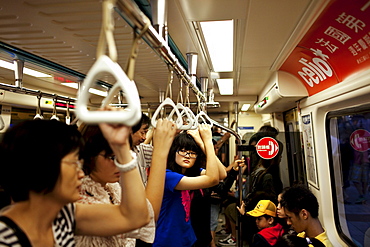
219, 39
225, 86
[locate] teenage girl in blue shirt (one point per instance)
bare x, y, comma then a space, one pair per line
189, 151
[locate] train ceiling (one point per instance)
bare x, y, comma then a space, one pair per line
66, 32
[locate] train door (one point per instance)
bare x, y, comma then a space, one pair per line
349, 143
296, 166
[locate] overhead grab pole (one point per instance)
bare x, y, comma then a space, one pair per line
16, 89
139, 20
18, 84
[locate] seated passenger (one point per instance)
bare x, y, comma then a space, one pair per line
282, 218
302, 209
270, 231
41, 170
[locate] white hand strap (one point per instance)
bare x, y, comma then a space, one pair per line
195, 120
38, 116
132, 113
2, 125
54, 117
204, 118
38, 109
186, 114
168, 102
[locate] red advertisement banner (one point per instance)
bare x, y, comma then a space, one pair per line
335, 47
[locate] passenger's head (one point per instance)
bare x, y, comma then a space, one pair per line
299, 205
264, 131
32, 154
98, 156
140, 130
265, 213
185, 153
216, 131
280, 209
269, 131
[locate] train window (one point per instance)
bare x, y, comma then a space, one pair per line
349, 142
21, 114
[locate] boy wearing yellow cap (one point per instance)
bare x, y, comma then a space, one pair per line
270, 230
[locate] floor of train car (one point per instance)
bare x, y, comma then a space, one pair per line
220, 225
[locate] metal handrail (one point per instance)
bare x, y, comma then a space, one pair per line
136, 18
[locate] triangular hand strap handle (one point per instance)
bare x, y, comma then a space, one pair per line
2, 124
195, 121
185, 115
202, 117
168, 102
130, 116
38, 116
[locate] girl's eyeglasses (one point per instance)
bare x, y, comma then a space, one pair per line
112, 157
191, 154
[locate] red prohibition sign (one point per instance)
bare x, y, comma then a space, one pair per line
267, 148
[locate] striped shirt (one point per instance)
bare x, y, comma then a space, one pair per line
144, 157
63, 230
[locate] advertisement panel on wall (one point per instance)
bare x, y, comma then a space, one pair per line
335, 47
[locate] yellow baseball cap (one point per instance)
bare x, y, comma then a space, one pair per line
263, 207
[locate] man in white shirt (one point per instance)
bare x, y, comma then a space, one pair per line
144, 151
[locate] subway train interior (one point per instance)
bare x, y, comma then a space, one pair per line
302, 67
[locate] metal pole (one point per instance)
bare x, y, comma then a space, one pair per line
15, 89
239, 238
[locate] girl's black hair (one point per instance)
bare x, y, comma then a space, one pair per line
31, 153
187, 142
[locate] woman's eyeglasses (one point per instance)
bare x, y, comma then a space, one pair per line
78, 164
191, 154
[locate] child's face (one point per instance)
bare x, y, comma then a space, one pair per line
279, 209
263, 223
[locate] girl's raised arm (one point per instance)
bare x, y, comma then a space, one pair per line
222, 173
